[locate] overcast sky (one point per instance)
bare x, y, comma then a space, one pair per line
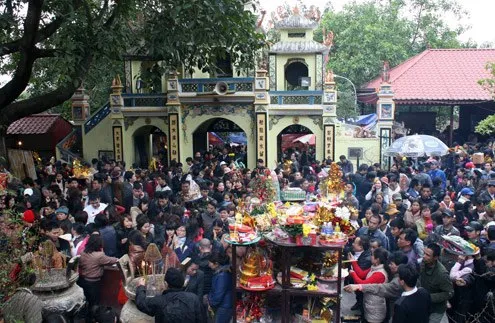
480, 18
480, 15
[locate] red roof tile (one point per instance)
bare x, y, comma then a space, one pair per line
35, 124
441, 75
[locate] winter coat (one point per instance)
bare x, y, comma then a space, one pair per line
220, 295
109, 237
195, 284
391, 291
122, 233
375, 307
437, 282
172, 306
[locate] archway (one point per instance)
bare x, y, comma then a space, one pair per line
296, 139
218, 133
149, 141
295, 71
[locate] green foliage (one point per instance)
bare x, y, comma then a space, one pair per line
197, 32
293, 229
366, 34
487, 125
489, 82
85, 40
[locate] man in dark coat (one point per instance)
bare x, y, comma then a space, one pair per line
414, 304
174, 305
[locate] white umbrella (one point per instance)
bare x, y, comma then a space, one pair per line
417, 146
309, 139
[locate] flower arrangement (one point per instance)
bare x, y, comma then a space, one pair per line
250, 308
263, 187
293, 230
337, 215
332, 186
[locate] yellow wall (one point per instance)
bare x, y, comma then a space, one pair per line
371, 148
243, 120
127, 135
282, 59
284, 123
99, 138
284, 35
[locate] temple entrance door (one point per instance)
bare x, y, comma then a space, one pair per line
149, 141
296, 139
217, 133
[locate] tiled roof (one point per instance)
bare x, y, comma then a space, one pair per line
441, 75
290, 47
35, 124
296, 21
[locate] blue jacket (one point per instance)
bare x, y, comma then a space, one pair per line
377, 234
109, 237
220, 295
438, 173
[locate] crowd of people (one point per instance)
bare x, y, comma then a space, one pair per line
399, 272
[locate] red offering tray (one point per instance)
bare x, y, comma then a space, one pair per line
333, 242
259, 284
260, 289
240, 228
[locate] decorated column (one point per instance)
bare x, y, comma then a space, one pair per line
385, 112
261, 102
80, 106
173, 104
116, 105
329, 115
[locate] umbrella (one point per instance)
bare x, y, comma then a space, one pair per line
417, 146
309, 139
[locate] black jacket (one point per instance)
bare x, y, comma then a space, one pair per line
196, 284
364, 260
414, 308
172, 306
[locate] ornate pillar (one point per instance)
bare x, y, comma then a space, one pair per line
261, 102
174, 124
329, 115
385, 112
80, 106
116, 105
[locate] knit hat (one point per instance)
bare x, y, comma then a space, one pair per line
62, 209
174, 278
28, 216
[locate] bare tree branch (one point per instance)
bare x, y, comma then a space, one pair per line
43, 102
10, 91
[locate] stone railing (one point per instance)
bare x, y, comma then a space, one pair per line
144, 100
69, 147
97, 117
296, 97
207, 85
